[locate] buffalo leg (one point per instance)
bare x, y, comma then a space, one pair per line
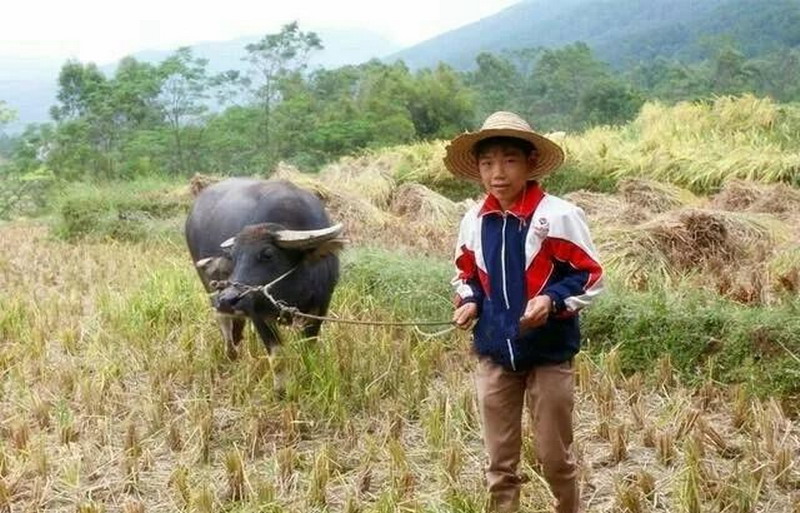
311, 327
232, 328
272, 341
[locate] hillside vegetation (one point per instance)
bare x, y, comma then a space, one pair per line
622, 32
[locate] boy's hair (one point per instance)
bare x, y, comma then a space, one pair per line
526, 147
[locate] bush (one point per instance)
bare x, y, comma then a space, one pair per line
120, 211
734, 343
24, 194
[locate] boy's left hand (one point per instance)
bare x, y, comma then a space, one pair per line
536, 312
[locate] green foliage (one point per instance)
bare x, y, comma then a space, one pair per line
339, 112
574, 177
25, 193
566, 88
183, 89
120, 211
271, 60
229, 142
735, 343
497, 83
152, 120
7, 115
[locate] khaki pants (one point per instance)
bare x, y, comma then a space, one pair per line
549, 391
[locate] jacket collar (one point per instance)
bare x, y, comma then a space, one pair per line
523, 208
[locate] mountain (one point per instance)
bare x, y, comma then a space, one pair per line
341, 47
30, 85
622, 32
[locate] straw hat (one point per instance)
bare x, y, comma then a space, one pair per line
461, 161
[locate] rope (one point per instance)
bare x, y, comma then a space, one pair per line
295, 312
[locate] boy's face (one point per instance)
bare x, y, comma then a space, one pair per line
504, 172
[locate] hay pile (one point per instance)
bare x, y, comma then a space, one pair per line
747, 196
655, 197
289, 173
426, 220
599, 207
727, 251
362, 195
418, 203
692, 237
199, 182
368, 176
360, 217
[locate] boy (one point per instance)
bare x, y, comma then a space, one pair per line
525, 266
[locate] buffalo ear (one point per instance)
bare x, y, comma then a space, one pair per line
215, 268
203, 262
328, 247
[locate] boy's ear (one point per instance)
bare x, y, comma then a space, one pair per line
533, 158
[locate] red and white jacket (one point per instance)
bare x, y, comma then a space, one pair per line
541, 245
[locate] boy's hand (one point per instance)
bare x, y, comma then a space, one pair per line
465, 314
536, 313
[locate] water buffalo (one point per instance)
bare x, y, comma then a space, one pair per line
245, 232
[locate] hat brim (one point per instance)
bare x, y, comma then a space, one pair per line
460, 159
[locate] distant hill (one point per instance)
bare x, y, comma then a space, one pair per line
622, 32
342, 47
29, 85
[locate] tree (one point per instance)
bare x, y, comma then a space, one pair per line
134, 94
96, 116
608, 102
184, 89
7, 115
79, 87
731, 72
497, 84
272, 58
439, 104
777, 72
559, 79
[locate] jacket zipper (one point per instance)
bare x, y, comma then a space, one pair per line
505, 287
503, 262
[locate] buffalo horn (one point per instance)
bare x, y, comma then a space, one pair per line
305, 239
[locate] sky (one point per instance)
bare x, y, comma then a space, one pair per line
105, 30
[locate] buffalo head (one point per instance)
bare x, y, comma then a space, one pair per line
262, 253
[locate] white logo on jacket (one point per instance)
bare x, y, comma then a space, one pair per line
541, 227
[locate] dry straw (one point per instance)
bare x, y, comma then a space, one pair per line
696, 145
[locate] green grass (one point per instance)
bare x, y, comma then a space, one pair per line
399, 283
574, 177
704, 334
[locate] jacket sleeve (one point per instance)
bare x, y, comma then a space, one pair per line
467, 282
570, 243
